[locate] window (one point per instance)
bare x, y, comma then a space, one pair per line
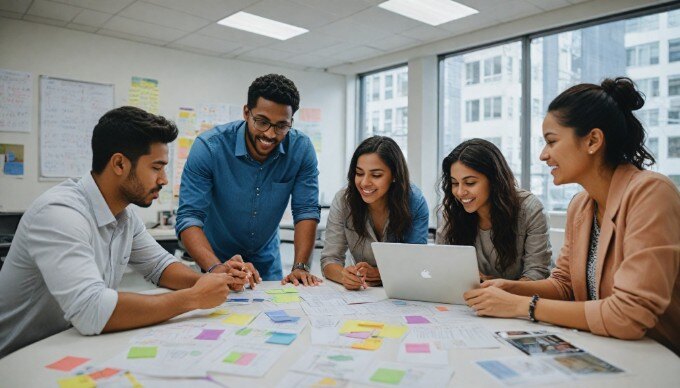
492, 108
380, 116
643, 54
674, 147
652, 145
674, 50
641, 24
472, 73
674, 18
674, 85
649, 117
649, 86
388, 87
472, 111
674, 113
492, 69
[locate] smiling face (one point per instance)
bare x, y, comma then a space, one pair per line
372, 178
471, 188
261, 144
147, 178
565, 153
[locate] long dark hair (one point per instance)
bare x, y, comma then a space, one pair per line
398, 195
461, 226
608, 106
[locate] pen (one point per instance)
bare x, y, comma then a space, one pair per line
353, 263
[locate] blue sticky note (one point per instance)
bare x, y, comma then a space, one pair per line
258, 300
238, 300
276, 313
399, 302
279, 319
281, 338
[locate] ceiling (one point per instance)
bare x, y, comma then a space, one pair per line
340, 31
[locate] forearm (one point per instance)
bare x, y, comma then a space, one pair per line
333, 272
178, 276
199, 247
305, 235
558, 312
137, 310
543, 288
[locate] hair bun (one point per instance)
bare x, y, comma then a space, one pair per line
622, 90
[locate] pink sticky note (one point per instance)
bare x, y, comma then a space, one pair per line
104, 373
246, 359
442, 308
417, 348
411, 319
359, 334
210, 334
68, 363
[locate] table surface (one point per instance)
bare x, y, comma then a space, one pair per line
646, 362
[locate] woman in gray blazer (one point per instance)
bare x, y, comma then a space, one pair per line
378, 204
483, 207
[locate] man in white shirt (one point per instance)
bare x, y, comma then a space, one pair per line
75, 241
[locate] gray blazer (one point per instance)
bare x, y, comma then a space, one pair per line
533, 243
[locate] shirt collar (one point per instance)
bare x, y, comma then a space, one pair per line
241, 148
102, 212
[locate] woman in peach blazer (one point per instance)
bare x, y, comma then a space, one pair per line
617, 273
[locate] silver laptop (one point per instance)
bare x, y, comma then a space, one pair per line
430, 273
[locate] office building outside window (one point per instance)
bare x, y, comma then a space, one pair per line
385, 105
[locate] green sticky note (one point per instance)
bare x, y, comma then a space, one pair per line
279, 291
340, 357
243, 332
232, 357
286, 298
143, 352
388, 376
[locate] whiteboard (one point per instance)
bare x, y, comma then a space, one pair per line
69, 110
16, 101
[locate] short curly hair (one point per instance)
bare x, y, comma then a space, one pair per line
274, 87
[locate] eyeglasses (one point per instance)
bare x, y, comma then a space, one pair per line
263, 125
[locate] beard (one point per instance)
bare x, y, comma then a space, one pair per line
133, 191
253, 141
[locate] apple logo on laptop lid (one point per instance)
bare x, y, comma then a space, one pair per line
425, 274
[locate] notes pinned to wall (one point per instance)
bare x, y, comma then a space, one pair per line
144, 94
210, 115
16, 101
309, 122
69, 110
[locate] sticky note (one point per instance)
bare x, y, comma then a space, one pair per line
276, 313
371, 324
290, 319
281, 338
388, 376
258, 300
399, 302
286, 298
246, 359
326, 382
210, 334
417, 348
232, 357
442, 308
142, 352
393, 331
353, 326
414, 319
340, 357
133, 380
359, 334
104, 373
238, 319
81, 381
219, 313
238, 300
243, 332
67, 363
368, 344
287, 290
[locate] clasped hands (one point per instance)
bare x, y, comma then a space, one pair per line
240, 272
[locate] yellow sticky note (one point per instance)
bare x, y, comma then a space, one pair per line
219, 313
353, 326
286, 298
133, 380
82, 381
326, 382
238, 319
393, 331
286, 290
368, 344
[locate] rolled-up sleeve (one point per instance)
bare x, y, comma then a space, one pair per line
335, 244
305, 197
537, 250
61, 246
643, 284
195, 190
147, 256
420, 222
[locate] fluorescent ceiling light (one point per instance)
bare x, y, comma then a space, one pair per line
432, 12
263, 26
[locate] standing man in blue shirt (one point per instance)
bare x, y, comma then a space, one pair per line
236, 185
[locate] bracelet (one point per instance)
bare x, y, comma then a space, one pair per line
532, 308
212, 267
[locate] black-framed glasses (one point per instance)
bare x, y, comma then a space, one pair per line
263, 125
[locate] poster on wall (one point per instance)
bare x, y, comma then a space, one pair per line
16, 101
212, 114
309, 122
12, 160
186, 121
181, 153
144, 94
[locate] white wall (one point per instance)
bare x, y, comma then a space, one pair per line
185, 79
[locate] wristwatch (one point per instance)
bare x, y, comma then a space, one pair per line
302, 266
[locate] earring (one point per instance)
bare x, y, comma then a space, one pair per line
590, 152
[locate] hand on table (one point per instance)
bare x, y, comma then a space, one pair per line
492, 301
352, 279
298, 276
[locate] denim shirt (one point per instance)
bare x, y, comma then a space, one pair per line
239, 202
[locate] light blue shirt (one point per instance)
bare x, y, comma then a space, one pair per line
239, 202
66, 261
